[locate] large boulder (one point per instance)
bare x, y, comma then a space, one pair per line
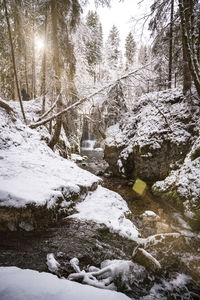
152, 138
182, 186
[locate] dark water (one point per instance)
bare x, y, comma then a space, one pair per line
179, 277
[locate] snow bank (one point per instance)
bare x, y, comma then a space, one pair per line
108, 207
17, 284
31, 173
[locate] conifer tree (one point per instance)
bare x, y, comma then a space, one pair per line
112, 48
93, 43
130, 49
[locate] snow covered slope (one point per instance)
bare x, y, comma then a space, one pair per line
18, 284
31, 173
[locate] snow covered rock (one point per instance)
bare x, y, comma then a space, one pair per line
156, 135
18, 284
107, 207
182, 186
33, 177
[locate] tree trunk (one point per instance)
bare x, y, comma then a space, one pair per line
13, 60
25, 68
171, 45
43, 85
33, 62
187, 79
190, 38
56, 65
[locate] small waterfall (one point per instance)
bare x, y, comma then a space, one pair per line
88, 144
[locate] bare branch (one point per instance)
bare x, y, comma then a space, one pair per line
48, 111
35, 125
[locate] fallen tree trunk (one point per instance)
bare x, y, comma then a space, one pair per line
80, 101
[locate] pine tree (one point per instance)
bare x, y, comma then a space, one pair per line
143, 55
112, 48
93, 43
130, 50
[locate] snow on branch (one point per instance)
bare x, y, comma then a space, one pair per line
150, 258
157, 238
80, 101
90, 277
48, 111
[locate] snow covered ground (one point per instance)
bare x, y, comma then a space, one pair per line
31, 173
108, 207
18, 284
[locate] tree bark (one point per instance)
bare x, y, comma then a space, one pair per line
13, 60
56, 64
43, 85
187, 14
33, 61
171, 45
25, 68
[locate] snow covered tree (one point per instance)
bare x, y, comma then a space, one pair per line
112, 48
143, 55
130, 50
93, 43
161, 23
165, 21
114, 106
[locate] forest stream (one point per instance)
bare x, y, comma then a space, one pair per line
92, 243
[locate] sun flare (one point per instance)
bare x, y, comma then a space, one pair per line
39, 43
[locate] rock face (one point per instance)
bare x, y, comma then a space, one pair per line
182, 186
156, 135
